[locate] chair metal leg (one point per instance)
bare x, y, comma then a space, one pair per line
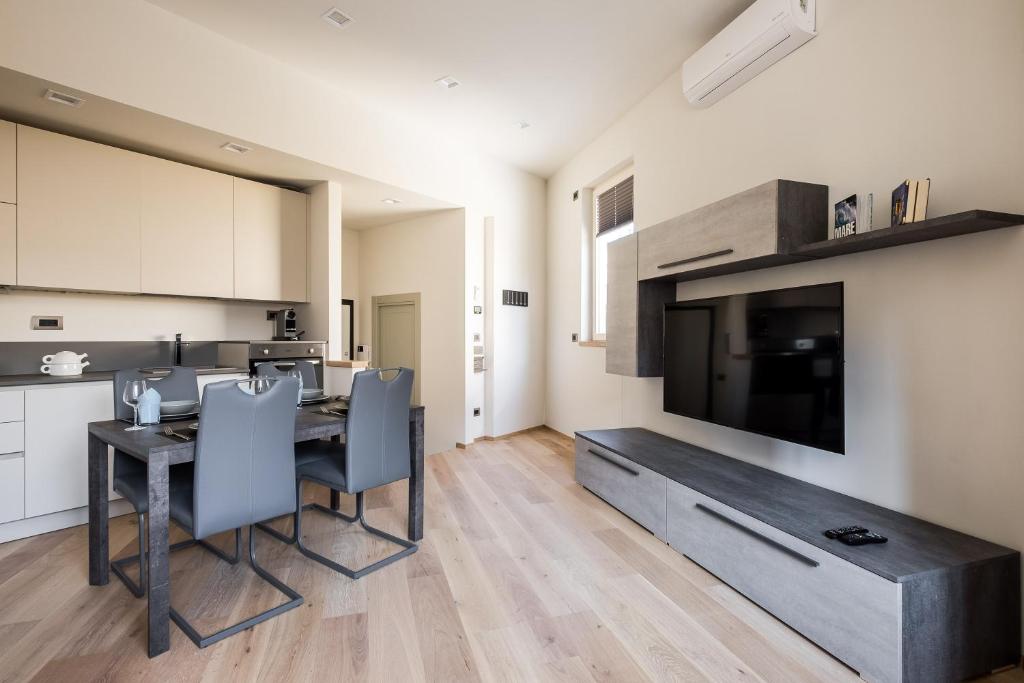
290, 540
139, 589
408, 547
294, 600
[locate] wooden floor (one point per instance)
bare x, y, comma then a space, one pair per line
522, 575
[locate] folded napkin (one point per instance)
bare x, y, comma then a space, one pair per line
149, 407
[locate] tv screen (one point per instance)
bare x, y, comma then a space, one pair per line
765, 362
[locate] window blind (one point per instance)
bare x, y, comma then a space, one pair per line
615, 206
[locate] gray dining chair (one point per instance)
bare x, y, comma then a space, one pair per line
375, 453
244, 464
307, 369
130, 479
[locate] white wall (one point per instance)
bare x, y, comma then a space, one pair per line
109, 317
321, 317
426, 255
933, 366
350, 257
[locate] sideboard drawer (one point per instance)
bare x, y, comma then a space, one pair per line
636, 491
12, 487
12, 437
846, 609
12, 406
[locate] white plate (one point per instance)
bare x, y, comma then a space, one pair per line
178, 407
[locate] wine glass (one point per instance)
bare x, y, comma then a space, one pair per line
297, 374
133, 391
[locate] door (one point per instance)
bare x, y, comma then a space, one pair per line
396, 334
78, 214
270, 242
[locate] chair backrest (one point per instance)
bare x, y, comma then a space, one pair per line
377, 429
245, 456
179, 385
308, 370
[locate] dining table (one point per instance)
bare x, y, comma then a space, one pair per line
159, 451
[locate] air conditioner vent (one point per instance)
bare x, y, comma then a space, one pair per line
235, 147
63, 98
337, 17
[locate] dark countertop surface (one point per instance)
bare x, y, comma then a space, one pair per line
39, 378
801, 509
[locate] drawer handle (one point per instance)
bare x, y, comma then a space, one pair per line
764, 539
613, 462
681, 262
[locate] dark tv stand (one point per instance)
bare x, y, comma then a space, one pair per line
932, 604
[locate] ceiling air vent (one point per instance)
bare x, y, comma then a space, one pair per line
336, 17
235, 147
63, 98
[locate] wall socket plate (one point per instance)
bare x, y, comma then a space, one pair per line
476, 412
575, 337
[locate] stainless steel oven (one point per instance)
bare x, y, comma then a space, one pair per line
283, 354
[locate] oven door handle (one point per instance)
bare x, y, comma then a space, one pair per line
286, 363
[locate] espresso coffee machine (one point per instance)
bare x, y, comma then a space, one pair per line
285, 325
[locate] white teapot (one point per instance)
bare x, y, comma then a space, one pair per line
63, 364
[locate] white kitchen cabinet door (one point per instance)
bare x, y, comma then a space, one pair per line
8, 244
210, 379
8, 162
78, 214
56, 444
186, 230
12, 487
270, 242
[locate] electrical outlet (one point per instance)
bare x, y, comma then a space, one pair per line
575, 337
476, 412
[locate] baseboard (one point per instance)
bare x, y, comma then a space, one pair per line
33, 526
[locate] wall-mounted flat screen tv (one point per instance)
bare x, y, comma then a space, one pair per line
764, 362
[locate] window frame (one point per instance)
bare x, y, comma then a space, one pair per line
598, 247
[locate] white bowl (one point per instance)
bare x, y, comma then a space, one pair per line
63, 369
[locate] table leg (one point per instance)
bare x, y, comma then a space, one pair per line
416, 477
99, 548
159, 590
335, 494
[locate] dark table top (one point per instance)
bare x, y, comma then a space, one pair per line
99, 376
310, 424
801, 509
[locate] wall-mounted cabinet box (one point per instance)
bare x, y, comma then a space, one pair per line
8, 244
763, 223
756, 228
8, 162
270, 242
634, 346
78, 214
186, 230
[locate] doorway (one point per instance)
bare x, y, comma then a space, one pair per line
396, 334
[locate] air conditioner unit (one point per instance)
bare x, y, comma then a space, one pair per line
765, 33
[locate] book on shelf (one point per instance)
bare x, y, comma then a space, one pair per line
853, 215
910, 201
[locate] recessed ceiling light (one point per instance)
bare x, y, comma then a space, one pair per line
391, 200
522, 125
235, 147
447, 82
63, 98
336, 17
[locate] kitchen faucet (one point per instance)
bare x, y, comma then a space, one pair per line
177, 348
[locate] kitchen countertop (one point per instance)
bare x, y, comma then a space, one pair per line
39, 378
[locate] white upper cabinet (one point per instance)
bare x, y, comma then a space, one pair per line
270, 242
8, 162
78, 214
8, 244
186, 230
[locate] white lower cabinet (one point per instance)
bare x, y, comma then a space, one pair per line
56, 444
12, 487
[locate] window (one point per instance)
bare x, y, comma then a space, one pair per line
613, 218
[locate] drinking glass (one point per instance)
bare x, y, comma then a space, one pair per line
133, 390
297, 374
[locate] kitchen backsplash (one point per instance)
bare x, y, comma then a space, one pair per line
24, 358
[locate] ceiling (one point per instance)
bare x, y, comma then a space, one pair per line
569, 68
113, 123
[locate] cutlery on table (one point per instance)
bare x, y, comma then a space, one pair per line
168, 431
325, 411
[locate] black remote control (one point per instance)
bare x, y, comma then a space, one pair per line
843, 530
863, 539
